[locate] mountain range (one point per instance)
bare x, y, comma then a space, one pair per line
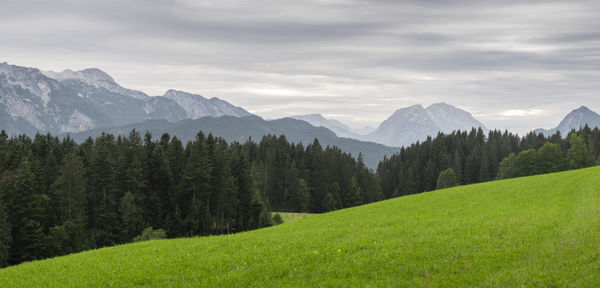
87, 102
339, 128
72, 101
405, 126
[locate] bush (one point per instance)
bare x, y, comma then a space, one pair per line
447, 179
277, 219
150, 234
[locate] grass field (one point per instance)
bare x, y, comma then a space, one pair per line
541, 231
288, 217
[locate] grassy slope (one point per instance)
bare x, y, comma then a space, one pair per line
537, 231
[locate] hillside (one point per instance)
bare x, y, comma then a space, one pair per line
538, 231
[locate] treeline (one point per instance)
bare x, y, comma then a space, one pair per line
314, 179
473, 157
553, 157
59, 197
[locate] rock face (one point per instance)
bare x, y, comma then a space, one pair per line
449, 118
576, 119
411, 124
72, 101
197, 106
404, 127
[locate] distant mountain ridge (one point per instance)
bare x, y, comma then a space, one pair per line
72, 101
238, 129
405, 126
196, 106
317, 120
411, 124
573, 121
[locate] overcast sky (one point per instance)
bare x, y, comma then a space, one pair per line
513, 65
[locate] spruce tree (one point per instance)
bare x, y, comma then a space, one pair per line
5, 229
27, 215
70, 190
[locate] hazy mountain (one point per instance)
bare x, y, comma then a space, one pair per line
363, 130
197, 106
573, 121
241, 129
415, 123
71, 101
449, 118
404, 127
317, 120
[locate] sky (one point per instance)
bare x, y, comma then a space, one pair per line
516, 65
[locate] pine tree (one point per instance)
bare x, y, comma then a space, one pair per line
354, 196
70, 190
329, 202
473, 165
240, 170
132, 216
27, 215
195, 190
5, 237
103, 199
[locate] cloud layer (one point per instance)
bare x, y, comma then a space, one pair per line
515, 65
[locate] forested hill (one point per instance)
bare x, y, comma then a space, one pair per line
539, 231
473, 157
251, 127
59, 197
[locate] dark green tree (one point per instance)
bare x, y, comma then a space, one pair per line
70, 190
329, 202
508, 167
132, 216
27, 215
5, 237
551, 158
354, 195
577, 155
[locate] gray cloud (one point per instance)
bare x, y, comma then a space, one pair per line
355, 60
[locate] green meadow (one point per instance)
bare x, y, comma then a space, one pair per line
540, 231
288, 217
